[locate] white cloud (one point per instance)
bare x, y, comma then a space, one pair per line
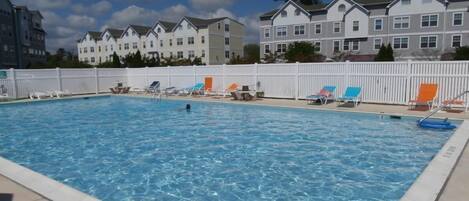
43, 4
208, 5
81, 21
95, 9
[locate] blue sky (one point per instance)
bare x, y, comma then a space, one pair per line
65, 21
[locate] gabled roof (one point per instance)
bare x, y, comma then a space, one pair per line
151, 31
115, 33
392, 3
357, 7
167, 26
95, 35
141, 30
199, 23
290, 2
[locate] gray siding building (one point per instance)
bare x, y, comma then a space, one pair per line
417, 29
22, 38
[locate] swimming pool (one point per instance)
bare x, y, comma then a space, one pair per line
120, 148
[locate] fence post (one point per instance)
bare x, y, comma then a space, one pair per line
169, 76
96, 76
223, 78
59, 79
13, 82
195, 74
297, 85
409, 72
256, 75
347, 74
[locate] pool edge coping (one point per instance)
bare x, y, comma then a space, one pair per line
431, 183
40, 184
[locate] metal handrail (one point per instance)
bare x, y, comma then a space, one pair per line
444, 105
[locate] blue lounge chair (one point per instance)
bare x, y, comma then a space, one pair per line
154, 87
326, 94
352, 94
197, 89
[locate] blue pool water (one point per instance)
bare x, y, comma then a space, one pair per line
118, 148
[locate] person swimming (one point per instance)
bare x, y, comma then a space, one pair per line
188, 107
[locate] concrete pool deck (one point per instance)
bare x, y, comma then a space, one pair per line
455, 189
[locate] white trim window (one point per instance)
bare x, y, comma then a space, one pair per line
179, 41
429, 20
400, 42
180, 54
317, 46
336, 27
266, 33
191, 54
456, 40
378, 24
266, 49
351, 45
355, 25
377, 43
299, 30
428, 42
356, 45
317, 28
336, 46
284, 13
458, 19
281, 48
401, 22
281, 31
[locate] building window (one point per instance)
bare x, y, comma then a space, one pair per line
405, 2
170, 42
179, 41
401, 22
300, 30
428, 42
401, 43
219, 26
135, 45
180, 27
85, 50
144, 45
151, 44
162, 55
317, 28
456, 41
227, 41
356, 26
297, 12
281, 48
189, 27
190, 40
105, 48
227, 54
203, 54
341, 8
377, 42
284, 13
281, 31
336, 27
378, 24
317, 46
355, 45
191, 54
158, 30
457, 19
161, 43
180, 55
336, 46
429, 20
346, 46
203, 39
133, 33
227, 28
266, 49
92, 60
266, 33
120, 46
91, 49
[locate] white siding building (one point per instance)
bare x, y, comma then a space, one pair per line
215, 41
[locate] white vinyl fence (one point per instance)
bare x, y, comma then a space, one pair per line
383, 82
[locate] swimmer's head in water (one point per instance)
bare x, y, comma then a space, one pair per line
188, 106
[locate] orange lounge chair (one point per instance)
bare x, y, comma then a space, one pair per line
427, 96
232, 88
208, 85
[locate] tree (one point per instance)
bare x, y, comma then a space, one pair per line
252, 53
385, 53
389, 53
302, 52
116, 62
134, 60
462, 53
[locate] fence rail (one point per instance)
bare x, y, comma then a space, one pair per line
383, 82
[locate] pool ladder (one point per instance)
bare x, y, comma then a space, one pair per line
444, 105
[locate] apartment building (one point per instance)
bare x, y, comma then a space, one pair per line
215, 41
416, 29
22, 38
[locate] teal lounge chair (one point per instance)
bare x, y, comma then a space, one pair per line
197, 89
326, 94
352, 94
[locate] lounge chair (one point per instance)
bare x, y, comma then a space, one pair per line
427, 96
352, 94
39, 95
153, 88
125, 90
116, 90
60, 94
198, 89
326, 94
208, 85
244, 94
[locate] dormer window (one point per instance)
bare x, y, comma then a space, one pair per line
297, 12
405, 2
158, 30
341, 8
284, 14
133, 33
180, 27
189, 27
